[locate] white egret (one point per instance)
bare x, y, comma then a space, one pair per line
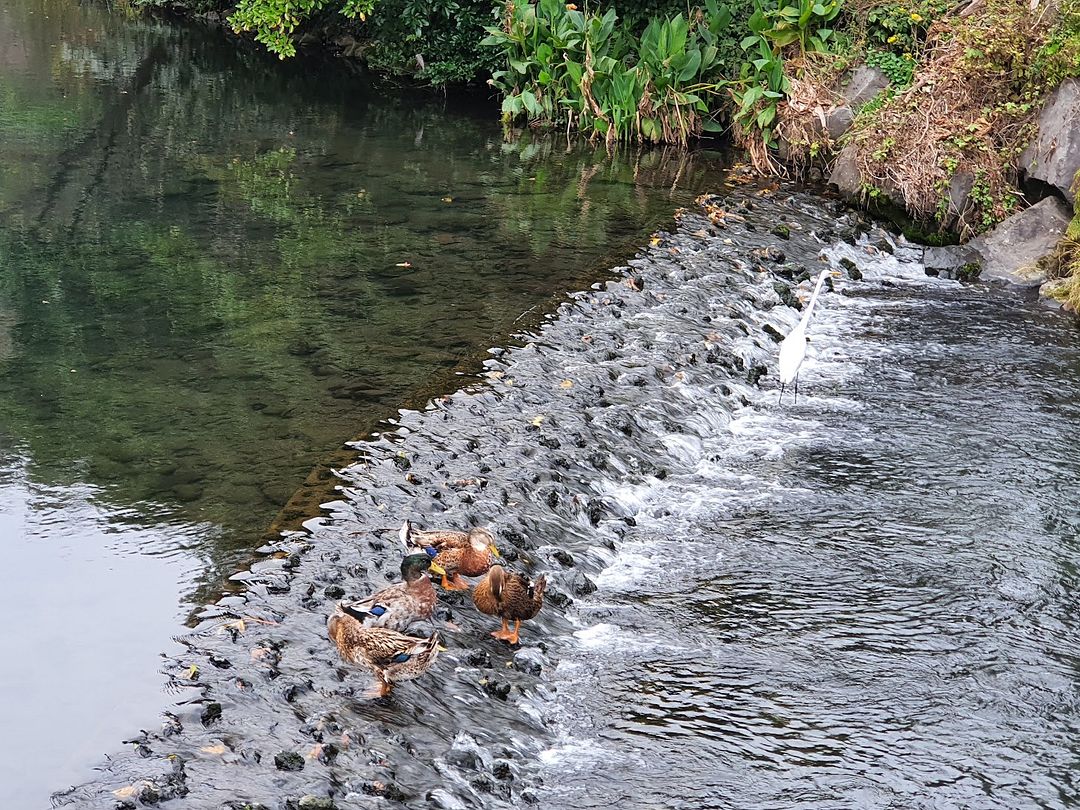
793, 347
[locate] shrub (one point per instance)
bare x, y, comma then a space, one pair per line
585, 71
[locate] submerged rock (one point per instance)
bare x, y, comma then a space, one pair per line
289, 761
1010, 251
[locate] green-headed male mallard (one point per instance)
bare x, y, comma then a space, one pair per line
468, 553
510, 596
390, 655
400, 604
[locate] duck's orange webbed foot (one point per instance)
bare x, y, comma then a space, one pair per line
502, 634
512, 638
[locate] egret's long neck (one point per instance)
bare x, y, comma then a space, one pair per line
813, 298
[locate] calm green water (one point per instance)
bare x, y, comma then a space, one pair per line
214, 270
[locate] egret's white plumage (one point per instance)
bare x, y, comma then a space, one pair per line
793, 347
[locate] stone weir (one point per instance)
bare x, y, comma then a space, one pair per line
263, 712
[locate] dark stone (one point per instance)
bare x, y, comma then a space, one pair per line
773, 333
787, 297
500, 769
529, 660
219, 662
549, 442
477, 658
211, 713
497, 689
853, 271
289, 761
563, 557
581, 585
782, 231
756, 372
334, 591
557, 598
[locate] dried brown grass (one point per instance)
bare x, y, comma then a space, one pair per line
964, 114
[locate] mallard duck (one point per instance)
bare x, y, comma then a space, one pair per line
510, 596
401, 604
470, 553
390, 655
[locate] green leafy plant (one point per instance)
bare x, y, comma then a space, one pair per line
275, 21
799, 25
584, 71
900, 69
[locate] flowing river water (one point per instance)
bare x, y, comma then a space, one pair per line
862, 599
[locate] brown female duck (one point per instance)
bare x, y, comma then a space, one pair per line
390, 655
468, 553
510, 596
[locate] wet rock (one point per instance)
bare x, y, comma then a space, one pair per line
949, 259
787, 297
501, 769
563, 557
1011, 251
219, 661
1054, 156
477, 658
581, 585
211, 713
557, 598
288, 761
310, 802
529, 797
853, 271
756, 372
497, 689
529, 660
782, 231
773, 333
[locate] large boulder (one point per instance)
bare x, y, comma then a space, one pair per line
1010, 251
1054, 156
866, 82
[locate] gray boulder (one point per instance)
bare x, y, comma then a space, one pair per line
845, 173
838, 120
1054, 156
866, 82
1011, 250
950, 261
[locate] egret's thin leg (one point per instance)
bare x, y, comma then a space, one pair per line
781, 393
796, 389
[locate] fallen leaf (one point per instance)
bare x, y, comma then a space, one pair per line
654, 241
316, 751
566, 384
128, 792
447, 199
537, 421
403, 264
217, 750
193, 672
